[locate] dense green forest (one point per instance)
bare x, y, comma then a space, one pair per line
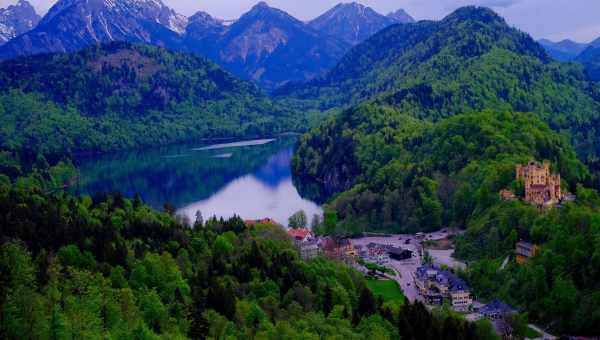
558, 287
119, 96
431, 134
399, 174
107, 267
469, 61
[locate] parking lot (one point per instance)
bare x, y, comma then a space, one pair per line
405, 269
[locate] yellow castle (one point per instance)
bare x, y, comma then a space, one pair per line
541, 186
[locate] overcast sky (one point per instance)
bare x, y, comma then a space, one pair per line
552, 19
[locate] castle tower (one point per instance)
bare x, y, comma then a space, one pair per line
541, 186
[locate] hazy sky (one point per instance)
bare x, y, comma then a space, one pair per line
553, 19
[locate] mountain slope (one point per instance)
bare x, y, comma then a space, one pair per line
270, 47
16, 20
74, 24
203, 26
351, 22
471, 60
120, 96
565, 50
401, 17
590, 58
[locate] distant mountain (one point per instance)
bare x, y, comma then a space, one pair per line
353, 22
203, 26
590, 58
16, 20
117, 96
401, 17
565, 50
265, 45
74, 24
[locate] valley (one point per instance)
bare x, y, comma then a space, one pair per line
347, 175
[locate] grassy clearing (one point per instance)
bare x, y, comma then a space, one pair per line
532, 333
388, 289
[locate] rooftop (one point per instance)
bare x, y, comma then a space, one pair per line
497, 306
299, 234
444, 277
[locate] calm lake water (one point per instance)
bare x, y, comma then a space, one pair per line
250, 178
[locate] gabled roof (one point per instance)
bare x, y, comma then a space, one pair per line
497, 306
397, 251
445, 277
525, 245
300, 233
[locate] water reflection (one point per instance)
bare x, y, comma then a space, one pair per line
251, 179
269, 192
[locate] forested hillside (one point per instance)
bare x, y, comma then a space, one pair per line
590, 58
108, 267
400, 174
445, 115
119, 96
471, 60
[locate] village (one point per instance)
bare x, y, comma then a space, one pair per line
422, 264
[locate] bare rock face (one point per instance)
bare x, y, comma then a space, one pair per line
73, 24
265, 45
353, 23
401, 17
16, 20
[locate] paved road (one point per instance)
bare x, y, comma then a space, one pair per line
545, 336
407, 268
405, 278
444, 257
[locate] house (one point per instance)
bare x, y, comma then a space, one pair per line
348, 248
507, 195
309, 249
432, 282
305, 242
524, 251
496, 310
300, 234
377, 253
542, 188
341, 250
399, 254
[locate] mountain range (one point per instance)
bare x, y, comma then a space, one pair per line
590, 58
71, 25
354, 23
431, 70
16, 20
586, 54
265, 45
564, 50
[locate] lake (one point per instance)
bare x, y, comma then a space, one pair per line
249, 178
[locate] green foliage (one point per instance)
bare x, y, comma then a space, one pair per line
119, 96
469, 61
298, 220
387, 289
108, 267
558, 285
404, 176
449, 173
